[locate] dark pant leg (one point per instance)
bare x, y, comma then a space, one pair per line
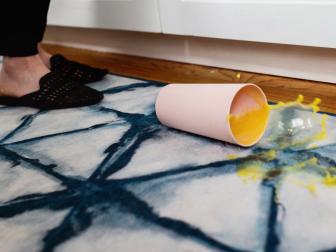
22, 25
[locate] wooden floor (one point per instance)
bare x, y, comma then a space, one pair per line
276, 88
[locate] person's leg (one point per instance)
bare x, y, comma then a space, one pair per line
21, 75
22, 27
45, 56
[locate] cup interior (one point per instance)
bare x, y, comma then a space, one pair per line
249, 113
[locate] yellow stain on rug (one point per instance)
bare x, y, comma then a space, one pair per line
329, 180
232, 156
252, 172
269, 155
309, 185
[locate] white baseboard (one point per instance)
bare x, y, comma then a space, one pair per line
311, 63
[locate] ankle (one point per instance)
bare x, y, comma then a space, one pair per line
21, 75
18, 66
13, 65
44, 55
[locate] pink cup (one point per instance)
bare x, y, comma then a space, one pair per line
205, 109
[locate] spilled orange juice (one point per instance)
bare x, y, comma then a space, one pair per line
249, 126
305, 167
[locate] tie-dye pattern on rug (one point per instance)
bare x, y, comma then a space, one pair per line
110, 178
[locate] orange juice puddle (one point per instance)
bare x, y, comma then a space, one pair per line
295, 130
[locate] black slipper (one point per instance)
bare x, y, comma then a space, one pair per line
81, 73
56, 92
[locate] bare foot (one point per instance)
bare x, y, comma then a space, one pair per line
45, 56
21, 75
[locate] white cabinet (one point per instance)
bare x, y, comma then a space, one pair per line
137, 15
298, 22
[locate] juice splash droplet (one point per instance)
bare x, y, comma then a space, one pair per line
329, 180
238, 75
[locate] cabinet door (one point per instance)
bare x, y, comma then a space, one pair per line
299, 22
138, 15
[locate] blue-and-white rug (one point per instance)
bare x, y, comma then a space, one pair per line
110, 177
